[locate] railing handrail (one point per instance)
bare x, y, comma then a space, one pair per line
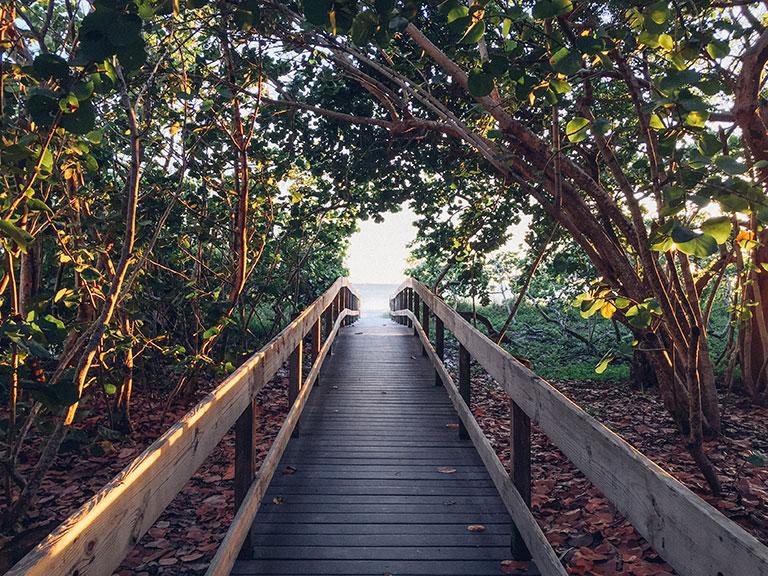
695, 538
95, 539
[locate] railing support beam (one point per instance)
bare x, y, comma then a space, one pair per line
464, 385
245, 430
425, 324
294, 380
415, 309
520, 469
439, 346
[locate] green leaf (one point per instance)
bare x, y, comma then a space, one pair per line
69, 103
600, 368
730, 165
363, 28
590, 45
639, 317
565, 62
718, 49
475, 32
36, 205
590, 307
495, 67
661, 239
82, 120
697, 119
318, 12
43, 107
94, 136
601, 126
682, 234
545, 9
506, 27
83, 89
576, 129
51, 66
667, 42
675, 80
110, 388
719, 228
659, 12
622, 303
709, 144
479, 83
700, 246
457, 13
559, 86
126, 29
21, 237
132, 57
757, 458
649, 39
90, 274
656, 123
211, 332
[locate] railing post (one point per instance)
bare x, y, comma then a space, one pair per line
439, 346
425, 324
294, 379
328, 325
315, 338
520, 468
409, 304
464, 384
245, 430
415, 310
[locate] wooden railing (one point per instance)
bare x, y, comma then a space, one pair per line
96, 538
688, 533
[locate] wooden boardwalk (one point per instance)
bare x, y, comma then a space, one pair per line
366, 495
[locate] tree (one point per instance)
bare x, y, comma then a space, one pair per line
150, 214
615, 120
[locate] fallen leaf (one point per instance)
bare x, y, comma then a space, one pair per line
513, 566
476, 528
449, 503
192, 557
278, 500
289, 470
446, 470
451, 425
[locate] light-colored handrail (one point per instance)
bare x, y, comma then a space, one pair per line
226, 555
691, 535
95, 539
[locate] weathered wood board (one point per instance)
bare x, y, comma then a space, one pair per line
366, 496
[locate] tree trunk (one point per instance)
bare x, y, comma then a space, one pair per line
752, 117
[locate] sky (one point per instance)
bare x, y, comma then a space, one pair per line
377, 253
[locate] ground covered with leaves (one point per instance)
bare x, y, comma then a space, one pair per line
187, 534
581, 524
585, 529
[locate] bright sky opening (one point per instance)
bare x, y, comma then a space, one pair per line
377, 253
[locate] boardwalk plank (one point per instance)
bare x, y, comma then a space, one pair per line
365, 495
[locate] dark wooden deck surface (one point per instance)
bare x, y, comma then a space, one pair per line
366, 496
